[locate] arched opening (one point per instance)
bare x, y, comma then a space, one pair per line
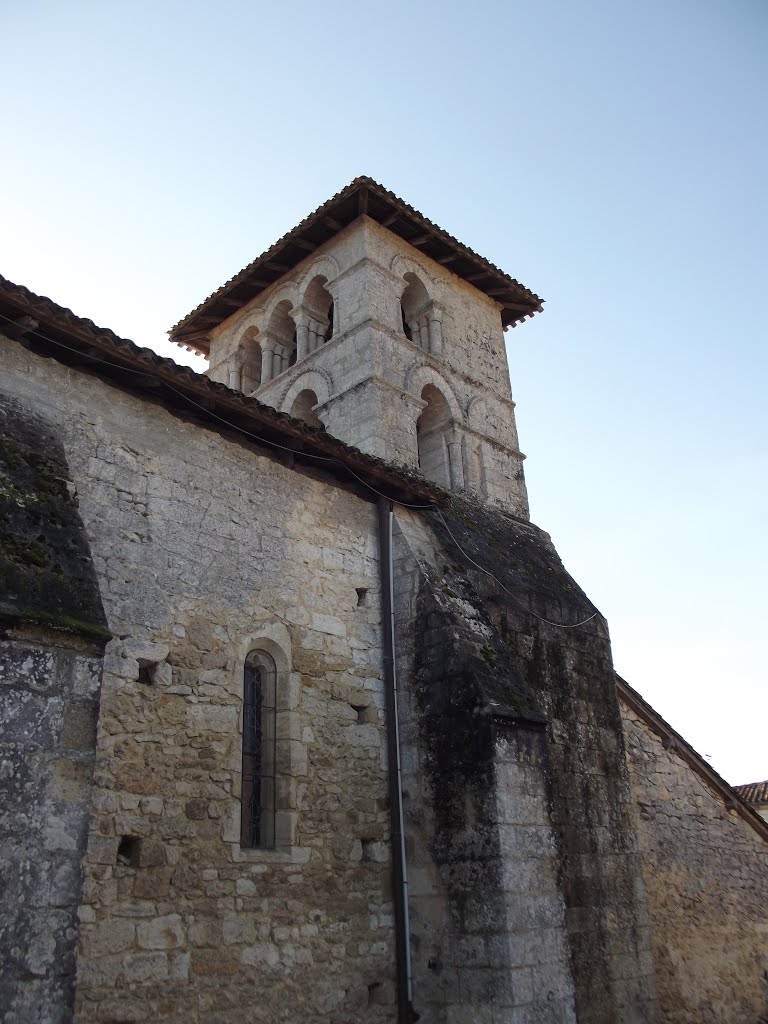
259, 761
414, 308
329, 331
406, 329
281, 332
432, 436
303, 408
318, 307
250, 361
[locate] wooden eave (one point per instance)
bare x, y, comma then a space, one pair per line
362, 197
53, 331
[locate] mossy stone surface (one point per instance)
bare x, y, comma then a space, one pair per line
46, 572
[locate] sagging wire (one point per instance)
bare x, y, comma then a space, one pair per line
221, 419
560, 625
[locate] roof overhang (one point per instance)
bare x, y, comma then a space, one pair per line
48, 329
362, 197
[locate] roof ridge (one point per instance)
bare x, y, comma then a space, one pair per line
531, 303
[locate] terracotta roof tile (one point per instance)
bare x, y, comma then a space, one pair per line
363, 195
58, 332
754, 792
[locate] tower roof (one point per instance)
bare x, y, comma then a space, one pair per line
363, 196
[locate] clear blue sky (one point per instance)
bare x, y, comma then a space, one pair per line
610, 155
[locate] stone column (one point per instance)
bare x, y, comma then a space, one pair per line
424, 332
336, 314
234, 380
267, 357
415, 331
278, 360
454, 462
302, 337
315, 335
435, 334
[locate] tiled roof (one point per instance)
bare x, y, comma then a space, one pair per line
754, 792
55, 331
361, 196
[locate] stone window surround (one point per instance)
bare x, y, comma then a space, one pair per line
259, 741
426, 327
311, 325
290, 755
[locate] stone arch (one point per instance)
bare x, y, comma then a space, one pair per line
249, 358
324, 265
419, 315
317, 312
432, 435
402, 264
415, 303
303, 409
316, 380
286, 292
279, 339
251, 318
280, 322
273, 640
477, 413
420, 374
272, 637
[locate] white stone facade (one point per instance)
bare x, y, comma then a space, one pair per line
390, 352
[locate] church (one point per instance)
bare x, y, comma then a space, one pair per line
304, 719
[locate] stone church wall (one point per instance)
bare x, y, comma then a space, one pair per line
706, 875
48, 706
527, 881
204, 549
52, 633
526, 890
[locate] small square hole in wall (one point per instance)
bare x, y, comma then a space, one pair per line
366, 713
145, 674
362, 597
373, 850
129, 851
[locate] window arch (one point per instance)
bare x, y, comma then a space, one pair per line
420, 316
258, 793
279, 345
250, 353
317, 321
432, 436
303, 408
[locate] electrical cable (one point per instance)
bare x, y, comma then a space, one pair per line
221, 419
560, 625
306, 455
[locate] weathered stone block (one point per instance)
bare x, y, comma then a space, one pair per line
112, 936
166, 932
143, 967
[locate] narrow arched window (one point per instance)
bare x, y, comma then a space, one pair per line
416, 311
432, 435
257, 809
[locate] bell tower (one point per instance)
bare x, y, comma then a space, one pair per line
371, 322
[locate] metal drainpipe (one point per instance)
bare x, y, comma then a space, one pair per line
405, 1011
